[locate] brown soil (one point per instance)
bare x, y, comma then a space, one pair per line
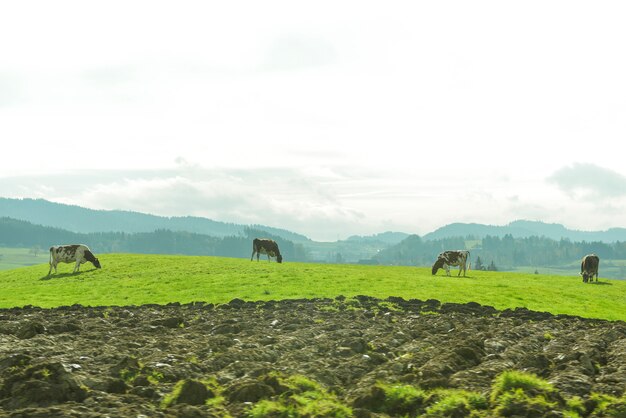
123, 361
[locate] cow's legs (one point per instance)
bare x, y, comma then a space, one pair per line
447, 267
77, 266
257, 255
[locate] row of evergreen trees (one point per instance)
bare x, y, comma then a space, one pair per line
506, 252
478, 265
16, 233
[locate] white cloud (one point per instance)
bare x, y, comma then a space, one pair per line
324, 203
280, 198
584, 180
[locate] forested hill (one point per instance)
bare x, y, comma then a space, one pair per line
18, 233
526, 229
509, 253
79, 219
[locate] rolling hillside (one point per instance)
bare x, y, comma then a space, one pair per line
521, 245
16, 233
130, 279
525, 229
79, 219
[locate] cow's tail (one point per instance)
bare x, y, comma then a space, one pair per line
469, 261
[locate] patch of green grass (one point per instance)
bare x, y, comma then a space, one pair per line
609, 268
201, 393
135, 279
170, 399
128, 375
300, 384
511, 380
401, 399
155, 377
457, 403
12, 258
267, 408
603, 405
576, 407
519, 393
45, 373
389, 306
519, 403
301, 397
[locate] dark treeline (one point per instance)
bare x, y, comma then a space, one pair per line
506, 252
15, 233
76, 218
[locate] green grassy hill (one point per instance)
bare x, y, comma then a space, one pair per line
133, 279
12, 258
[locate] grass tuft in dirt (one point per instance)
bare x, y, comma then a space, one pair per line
456, 403
519, 393
188, 391
298, 397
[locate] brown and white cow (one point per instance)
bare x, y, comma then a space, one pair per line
452, 258
266, 246
589, 267
74, 253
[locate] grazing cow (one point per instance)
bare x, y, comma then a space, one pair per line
451, 258
78, 253
266, 246
589, 267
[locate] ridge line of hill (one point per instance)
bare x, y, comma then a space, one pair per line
79, 219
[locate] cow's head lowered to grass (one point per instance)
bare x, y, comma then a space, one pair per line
266, 246
589, 267
452, 258
438, 265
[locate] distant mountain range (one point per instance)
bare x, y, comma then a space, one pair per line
525, 229
84, 220
37, 224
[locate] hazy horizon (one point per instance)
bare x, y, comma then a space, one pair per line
328, 119
513, 222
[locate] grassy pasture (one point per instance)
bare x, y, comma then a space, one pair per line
134, 279
12, 258
608, 268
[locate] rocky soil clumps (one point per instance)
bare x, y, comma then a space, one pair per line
359, 356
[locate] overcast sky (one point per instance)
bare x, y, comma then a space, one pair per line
328, 118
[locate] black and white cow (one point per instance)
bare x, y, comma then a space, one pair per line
74, 253
452, 258
589, 267
266, 246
